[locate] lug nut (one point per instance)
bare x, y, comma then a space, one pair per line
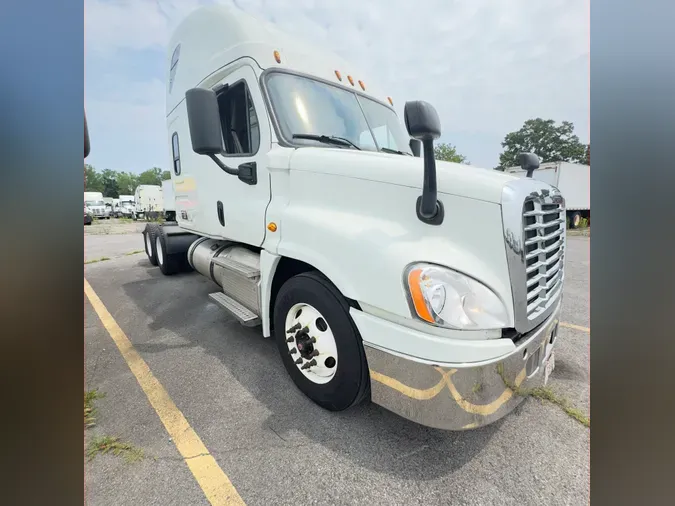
299, 361
315, 353
291, 352
290, 339
294, 328
309, 364
312, 339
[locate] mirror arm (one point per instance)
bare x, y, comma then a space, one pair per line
229, 170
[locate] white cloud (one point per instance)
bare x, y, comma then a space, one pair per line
487, 65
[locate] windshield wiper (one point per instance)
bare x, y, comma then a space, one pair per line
393, 151
328, 139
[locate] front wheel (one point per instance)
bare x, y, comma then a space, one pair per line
319, 343
575, 219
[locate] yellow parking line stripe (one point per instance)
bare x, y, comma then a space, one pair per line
213, 481
575, 327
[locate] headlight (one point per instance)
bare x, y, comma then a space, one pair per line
446, 298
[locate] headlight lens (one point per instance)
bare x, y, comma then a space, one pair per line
447, 298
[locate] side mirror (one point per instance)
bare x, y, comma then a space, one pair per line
424, 125
416, 147
204, 121
529, 162
206, 132
87, 146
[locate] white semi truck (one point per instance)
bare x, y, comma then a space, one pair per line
96, 205
572, 179
148, 201
125, 206
428, 287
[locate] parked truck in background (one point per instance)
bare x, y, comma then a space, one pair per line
574, 182
125, 206
109, 206
169, 200
148, 201
96, 205
428, 287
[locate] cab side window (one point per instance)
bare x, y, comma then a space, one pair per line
239, 121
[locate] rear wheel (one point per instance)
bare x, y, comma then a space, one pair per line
319, 343
149, 235
575, 219
168, 264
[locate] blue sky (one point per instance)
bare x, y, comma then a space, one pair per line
486, 65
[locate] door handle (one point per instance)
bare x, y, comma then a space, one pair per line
221, 213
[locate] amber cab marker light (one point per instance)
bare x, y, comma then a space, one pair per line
277, 56
390, 101
351, 81
417, 297
363, 86
272, 227
338, 75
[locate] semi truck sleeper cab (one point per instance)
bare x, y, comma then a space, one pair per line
429, 287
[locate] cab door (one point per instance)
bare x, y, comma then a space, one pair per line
233, 207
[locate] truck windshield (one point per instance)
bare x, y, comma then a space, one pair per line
304, 106
91, 203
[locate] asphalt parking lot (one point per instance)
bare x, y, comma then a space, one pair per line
274, 444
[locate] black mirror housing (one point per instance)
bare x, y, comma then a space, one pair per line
87, 146
204, 121
422, 121
416, 147
529, 162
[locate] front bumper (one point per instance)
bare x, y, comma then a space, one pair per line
461, 396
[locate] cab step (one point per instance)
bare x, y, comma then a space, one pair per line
245, 316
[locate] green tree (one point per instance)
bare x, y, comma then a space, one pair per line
110, 188
151, 176
166, 175
587, 156
549, 142
448, 153
126, 182
93, 180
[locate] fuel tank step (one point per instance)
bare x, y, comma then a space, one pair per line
245, 316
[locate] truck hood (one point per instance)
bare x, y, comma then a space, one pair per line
453, 178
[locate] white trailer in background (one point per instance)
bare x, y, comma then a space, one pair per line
169, 197
148, 201
574, 182
380, 275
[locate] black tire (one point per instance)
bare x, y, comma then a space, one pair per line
168, 264
149, 236
575, 219
351, 383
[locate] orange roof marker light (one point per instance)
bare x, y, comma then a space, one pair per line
390, 101
363, 86
338, 75
272, 227
277, 56
351, 81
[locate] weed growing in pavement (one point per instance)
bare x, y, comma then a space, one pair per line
102, 259
89, 408
546, 394
135, 252
105, 444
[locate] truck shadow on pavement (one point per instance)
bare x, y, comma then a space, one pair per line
367, 434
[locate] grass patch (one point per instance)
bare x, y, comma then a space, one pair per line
546, 394
125, 220
102, 259
89, 408
109, 444
135, 252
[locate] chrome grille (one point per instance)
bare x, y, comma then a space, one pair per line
533, 215
544, 229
